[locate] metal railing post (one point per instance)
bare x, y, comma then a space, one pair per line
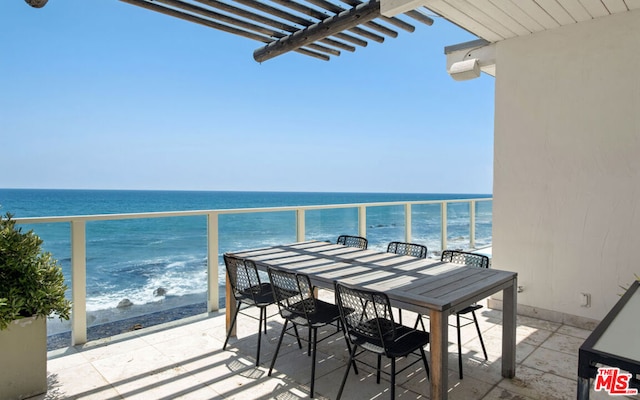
213, 302
407, 222
300, 227
472, 224
443, 228
362, 221
78, 282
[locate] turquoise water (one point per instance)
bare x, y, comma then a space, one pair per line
130, 259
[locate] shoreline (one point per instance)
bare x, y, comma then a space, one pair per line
141, 319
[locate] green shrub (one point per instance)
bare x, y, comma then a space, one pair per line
31, 281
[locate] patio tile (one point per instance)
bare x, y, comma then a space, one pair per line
473, 350
157, 335
362, 386
499, 393
540, 385
524, 334
121, 344
553, 362
65, 358
185, 347
537, 323
573, 331
297, 366
563, 343
80, 381
143, 371
467, 388
225, 372
489, 372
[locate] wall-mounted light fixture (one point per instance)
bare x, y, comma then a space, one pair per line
468, 60
465, 70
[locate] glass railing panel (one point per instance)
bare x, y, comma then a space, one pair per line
255, 230
458, 216
484, 223
139, 268
251, 231
328, 224
426, 221
385, 224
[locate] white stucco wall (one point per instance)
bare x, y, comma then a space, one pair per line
566, 211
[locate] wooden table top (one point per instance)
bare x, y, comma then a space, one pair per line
411, 283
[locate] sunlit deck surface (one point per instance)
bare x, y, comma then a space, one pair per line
185, 360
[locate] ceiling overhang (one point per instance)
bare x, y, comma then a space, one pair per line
316, 28
494, 21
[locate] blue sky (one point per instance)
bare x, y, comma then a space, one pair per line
104, 95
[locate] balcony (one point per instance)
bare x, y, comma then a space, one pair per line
184, 358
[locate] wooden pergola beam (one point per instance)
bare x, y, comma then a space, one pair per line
345, 20
212, 24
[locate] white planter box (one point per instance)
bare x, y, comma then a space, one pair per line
24, 359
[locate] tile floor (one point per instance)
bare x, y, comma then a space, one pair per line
185, 360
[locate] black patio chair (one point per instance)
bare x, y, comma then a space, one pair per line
407, 249
248, 291
473, 260
370, 327
353, 241
295, 297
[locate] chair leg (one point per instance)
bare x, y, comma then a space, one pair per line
264, 319
346, 339
233, 322
352, 355
295, 329
424, 360
275, 355
484, 350
459, 346
314, 337
263, 316
419, 320
393, 378
379, 367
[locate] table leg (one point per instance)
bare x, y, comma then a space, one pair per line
230, 308
583, 388
509, 298
439, 350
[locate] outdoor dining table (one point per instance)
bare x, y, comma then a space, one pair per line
426, 286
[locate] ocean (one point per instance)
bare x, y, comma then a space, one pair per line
132, 259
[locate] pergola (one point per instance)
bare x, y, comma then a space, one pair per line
315, 28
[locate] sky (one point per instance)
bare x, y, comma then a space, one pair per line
101, 94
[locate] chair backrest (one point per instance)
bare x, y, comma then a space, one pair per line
353, 241
462, 257
243, 276
293, 293
367, 315
408, 249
